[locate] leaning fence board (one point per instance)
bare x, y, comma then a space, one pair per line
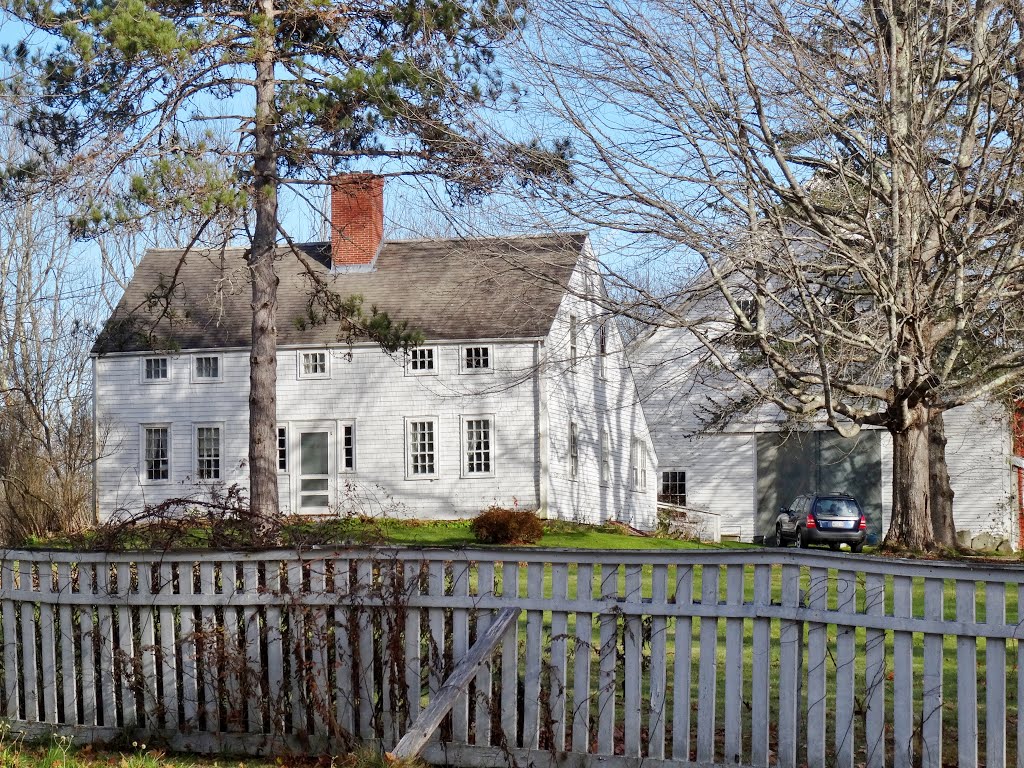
413, 742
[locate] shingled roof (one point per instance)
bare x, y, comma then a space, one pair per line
481, 288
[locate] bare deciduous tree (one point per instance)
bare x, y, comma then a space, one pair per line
845, 177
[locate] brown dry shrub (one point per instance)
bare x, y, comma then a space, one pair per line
499, 525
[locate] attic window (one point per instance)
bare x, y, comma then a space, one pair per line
155, 369
422, 361
313, 365
476, 359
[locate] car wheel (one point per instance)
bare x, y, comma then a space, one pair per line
779, 540
804, 542
856, 547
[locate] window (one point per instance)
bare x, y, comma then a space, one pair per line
348, 447
156, 453
638, 460
313, 365
155, 369
282, 449
573, 341
606, 457
421, 361
476, 449
602, 351
476, 359
421, 448
206, 368
574, 451
208, 453
673, 488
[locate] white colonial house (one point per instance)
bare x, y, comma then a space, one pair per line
744, 470
521, 393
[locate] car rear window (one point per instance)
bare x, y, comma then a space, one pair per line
836, 508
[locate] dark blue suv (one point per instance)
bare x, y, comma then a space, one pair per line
822, 518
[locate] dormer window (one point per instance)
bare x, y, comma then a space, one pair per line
155, 369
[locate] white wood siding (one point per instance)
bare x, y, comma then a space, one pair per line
365, 386
581, 394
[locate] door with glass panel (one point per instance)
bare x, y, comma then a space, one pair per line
315, 485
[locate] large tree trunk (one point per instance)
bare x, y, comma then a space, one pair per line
911, 523
263, 358
941, 492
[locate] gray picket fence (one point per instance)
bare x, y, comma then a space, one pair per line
751, 657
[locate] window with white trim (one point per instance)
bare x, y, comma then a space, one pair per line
156, 453
156, 369
206, 368
348, 447
638, 462
573, 341
208, 453
421, 448
476, 359
313, 365
477, 446
422, 361
602, 352
574, 450
606, 457
673, 487
282, 449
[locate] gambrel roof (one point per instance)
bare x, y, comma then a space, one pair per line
455, 289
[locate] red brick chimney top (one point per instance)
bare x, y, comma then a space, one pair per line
357, 219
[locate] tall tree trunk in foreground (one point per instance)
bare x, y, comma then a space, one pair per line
941, 496
263, 357
911, 523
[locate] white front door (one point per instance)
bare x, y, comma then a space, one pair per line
315, 487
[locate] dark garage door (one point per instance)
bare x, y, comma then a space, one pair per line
792, 463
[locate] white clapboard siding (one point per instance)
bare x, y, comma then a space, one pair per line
755, 657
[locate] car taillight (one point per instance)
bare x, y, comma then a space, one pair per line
811, 522
863, 525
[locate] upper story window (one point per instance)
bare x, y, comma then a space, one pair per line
638, 462
313, 365
156, 453
574, 450
421, 448
602, 351
422, 361
156, 369
206, 368
573, 341
673, 487
476, 359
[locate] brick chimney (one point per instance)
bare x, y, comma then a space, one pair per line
357, 219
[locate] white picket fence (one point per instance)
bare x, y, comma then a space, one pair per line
753, 657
